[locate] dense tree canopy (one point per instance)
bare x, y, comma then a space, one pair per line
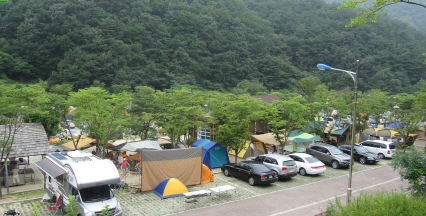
211, 44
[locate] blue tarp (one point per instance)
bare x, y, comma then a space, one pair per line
214, 154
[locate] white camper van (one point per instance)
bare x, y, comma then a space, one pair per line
84, 176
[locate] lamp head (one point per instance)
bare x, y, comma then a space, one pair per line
323, 67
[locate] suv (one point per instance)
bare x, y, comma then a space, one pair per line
329, 154
361, 154
384, 149
282, 164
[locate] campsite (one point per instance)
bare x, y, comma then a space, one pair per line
149, 203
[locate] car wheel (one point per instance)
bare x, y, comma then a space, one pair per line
362, 160
381, 156
302, 171
251, 181
226, 172
335, 164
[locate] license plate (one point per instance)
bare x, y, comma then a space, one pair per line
270, 176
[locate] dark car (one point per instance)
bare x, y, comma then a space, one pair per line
361, 154
329, 154
253, 171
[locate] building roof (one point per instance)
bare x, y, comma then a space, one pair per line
267, 98
30, 139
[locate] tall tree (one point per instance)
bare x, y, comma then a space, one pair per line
179, 110
232, 115
309, 86
103, 114
143, 111
285, 117
17, 102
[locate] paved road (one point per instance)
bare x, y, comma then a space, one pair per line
307, 200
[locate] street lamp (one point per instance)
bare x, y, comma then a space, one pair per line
354, 76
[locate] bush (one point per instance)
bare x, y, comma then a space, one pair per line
381, 203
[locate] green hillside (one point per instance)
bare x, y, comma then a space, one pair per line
213, 44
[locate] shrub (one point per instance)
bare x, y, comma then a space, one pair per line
380, 203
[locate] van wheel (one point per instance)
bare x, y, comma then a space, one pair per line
335, 164
362, 160
302, 172
381, 156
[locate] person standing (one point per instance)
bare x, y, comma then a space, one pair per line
125, 164
15, 173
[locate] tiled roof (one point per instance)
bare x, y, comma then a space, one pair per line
267, 98
30, 139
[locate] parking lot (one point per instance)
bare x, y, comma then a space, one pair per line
148, 203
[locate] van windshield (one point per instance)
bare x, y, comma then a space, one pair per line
96, 194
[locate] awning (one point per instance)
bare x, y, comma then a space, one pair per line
83, 142
340, 131
49, 167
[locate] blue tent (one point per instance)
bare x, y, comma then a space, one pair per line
214, 154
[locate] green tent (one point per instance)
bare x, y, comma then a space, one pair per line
301, 137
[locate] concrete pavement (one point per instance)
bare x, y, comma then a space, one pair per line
308, 199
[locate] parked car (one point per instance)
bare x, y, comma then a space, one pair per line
384, 149
361, 154
68, 133
308, 164
68, 122
252, 171
282, 164
329, 154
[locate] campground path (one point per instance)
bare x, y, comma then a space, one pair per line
308, 200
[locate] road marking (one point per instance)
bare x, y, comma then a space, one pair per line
325, 200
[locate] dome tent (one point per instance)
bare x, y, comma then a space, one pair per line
170, 187
214, 154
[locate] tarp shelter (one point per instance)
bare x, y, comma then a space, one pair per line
207, 175
133, 146
83, 142
183, 164
214, 154
302, 137
170, 187
251, 149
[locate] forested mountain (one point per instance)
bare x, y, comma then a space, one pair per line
409, 13
213, 44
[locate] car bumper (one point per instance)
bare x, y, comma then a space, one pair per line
267, 181
287, 175
373, 161
315, 171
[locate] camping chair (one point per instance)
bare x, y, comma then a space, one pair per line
56, 210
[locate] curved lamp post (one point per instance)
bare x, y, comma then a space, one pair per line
354, 76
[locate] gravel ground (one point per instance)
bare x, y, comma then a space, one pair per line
148, 203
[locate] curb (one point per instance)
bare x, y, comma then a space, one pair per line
16, 201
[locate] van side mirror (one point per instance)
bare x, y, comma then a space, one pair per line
77, 197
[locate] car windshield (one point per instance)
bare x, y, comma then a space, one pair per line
335, 151
260, 168
289, 163
312, 159
392, 146
96, 194
360, 149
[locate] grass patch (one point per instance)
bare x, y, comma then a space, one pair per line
24, 195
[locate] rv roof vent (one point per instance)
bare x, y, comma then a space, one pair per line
78, 154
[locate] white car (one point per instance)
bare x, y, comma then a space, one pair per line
308, 164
